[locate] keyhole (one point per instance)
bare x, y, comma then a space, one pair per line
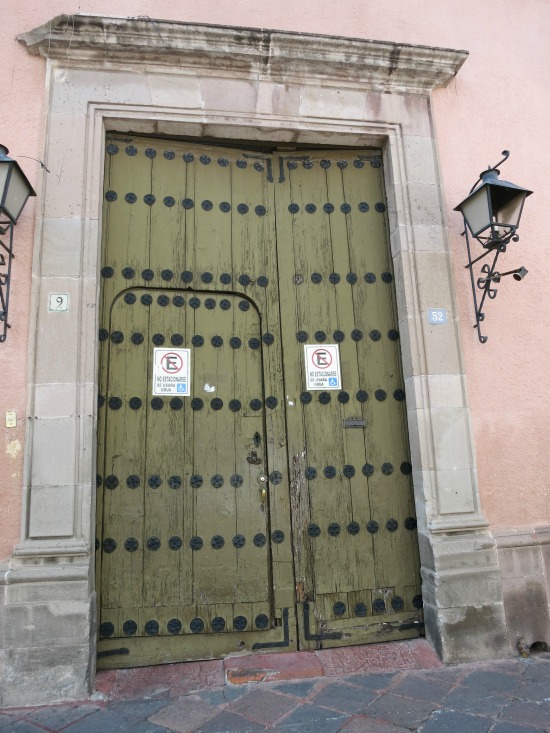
257, 439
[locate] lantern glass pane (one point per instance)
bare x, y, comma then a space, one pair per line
509, 213
4, 170
476, 211
17, 194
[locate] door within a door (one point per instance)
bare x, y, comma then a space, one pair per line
194, 541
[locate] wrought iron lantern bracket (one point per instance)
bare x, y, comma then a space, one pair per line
496, 215
6, 257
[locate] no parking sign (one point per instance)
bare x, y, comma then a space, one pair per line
322, 366
172, 372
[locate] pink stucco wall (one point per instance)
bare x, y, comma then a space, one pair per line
499, 100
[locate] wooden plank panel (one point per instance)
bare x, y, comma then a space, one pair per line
124, 456
390, 496
212, 219
166, 575
292, 273
254, 257
353, 439
168, 186
214, 567
317, 311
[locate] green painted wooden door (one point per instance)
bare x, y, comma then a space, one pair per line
356, 550
253, 512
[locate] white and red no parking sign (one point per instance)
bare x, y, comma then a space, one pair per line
322, 366
172, 372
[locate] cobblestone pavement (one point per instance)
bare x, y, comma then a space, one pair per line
393, 689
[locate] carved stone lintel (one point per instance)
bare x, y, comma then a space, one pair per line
250, 52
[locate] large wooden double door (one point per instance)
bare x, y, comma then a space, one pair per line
263, 501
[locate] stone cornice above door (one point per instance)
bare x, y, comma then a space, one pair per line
248, 52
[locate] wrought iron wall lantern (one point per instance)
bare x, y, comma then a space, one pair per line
15, 189
491, 212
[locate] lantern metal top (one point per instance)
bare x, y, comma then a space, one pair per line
492, 210
491, 176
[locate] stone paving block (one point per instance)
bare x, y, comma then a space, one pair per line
399, 655
513, 728
230, 723
512, 665
105, 681
361, 724
224, 695
184, 715
491, 681
260, 667
534, 690
474, 700
60, 716
298, 689
400, 710
537, 672
169, 679
423, 687
312, 719
527, 713
372, 681
345, 698
22, 726
451, 721
262, 706
106, 721
145, 727
139, 709
7, 720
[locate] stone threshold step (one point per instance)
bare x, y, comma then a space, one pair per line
172, 680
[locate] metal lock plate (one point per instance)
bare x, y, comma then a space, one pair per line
355, 422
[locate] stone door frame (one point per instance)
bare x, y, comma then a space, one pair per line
224, 83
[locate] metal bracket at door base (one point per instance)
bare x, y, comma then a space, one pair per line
273, 644
113, 652
316, 637
412, 625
